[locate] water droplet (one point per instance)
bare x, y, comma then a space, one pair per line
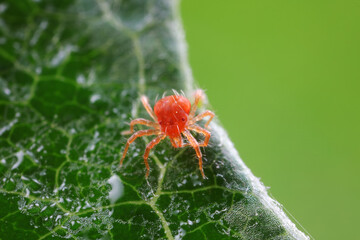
39, 148
37, 181
20, 157
7, 127
7, 91
94, 98
80, 79
27, 194
58, 217
62, 55
43, 209
38, 70
3, 7
78, 208
117, 188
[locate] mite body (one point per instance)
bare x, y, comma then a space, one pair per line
174, 117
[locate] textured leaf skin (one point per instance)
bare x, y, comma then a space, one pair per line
71, 73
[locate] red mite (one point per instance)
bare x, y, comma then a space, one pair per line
173, 117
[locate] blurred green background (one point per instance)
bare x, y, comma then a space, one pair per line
283, 78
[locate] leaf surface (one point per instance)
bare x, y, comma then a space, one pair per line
71, 73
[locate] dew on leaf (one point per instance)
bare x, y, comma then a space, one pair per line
94, 98
7, 91
20, 158
27, 192
62, 54
8, 127
38, 32
117, 188
38, 70
80, 79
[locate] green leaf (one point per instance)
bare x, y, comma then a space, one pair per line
71, 73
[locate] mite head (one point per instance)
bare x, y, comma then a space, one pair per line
172, 114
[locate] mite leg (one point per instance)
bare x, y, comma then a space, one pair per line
136, 135
187, 144
140, 121
148, 108
201, 116
195, 145
198, 95
173, 143
205, 132
148, 148
178, 142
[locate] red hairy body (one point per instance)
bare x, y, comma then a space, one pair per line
172, 113
174, 117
